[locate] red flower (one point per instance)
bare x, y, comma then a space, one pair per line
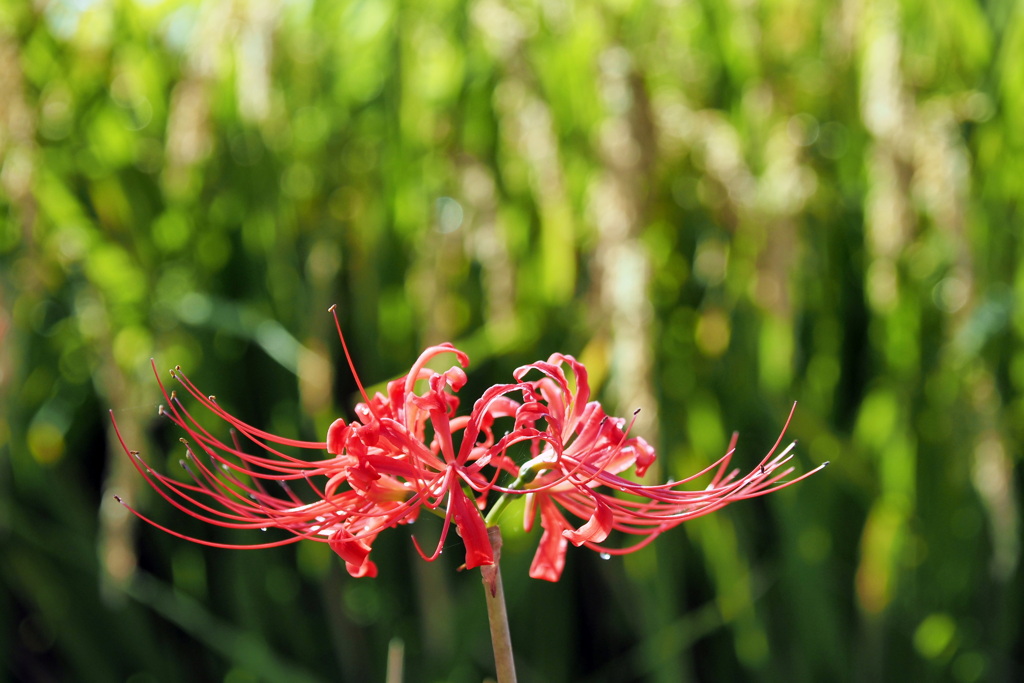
409, 450
382, 470
578, 473
231, 487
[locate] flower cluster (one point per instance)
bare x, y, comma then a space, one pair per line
410, 451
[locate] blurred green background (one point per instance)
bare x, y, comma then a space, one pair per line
720, 206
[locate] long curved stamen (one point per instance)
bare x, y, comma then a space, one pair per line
348, 357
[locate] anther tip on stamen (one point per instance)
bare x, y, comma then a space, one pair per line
636, 412
118, 499
333, 308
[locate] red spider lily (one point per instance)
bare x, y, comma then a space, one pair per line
237, 489
410, 451
578, 473
382, 470
578, 485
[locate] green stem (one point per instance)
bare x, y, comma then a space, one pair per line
497, 616
528, 473
491, 519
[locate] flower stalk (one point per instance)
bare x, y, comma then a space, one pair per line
497, 615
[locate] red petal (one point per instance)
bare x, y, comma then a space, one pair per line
471, 527
549, 560
597, 527
336, 437
355, 552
